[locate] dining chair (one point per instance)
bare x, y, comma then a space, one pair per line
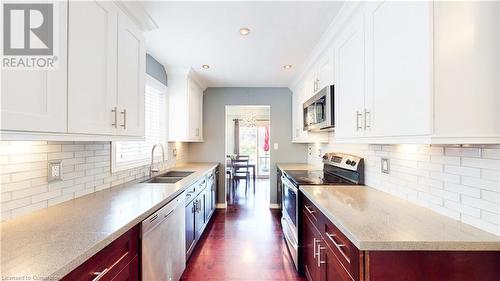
240, 170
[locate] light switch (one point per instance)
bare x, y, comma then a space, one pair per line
275, 145
55, 171
385, 165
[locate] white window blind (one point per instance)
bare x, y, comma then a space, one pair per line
131, 154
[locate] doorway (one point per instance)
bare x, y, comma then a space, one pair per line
248, 155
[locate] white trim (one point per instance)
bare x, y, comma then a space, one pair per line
221, 205
54, 136
274, 206
138, 14
326, 39
155, 84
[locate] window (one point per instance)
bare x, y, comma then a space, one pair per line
131, 154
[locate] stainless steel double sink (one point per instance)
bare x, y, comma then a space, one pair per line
169, 177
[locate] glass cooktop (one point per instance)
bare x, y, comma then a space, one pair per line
316, 177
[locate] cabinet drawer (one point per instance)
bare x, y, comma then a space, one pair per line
111, 260
334, 270
342, 247
130, 272
193, 190
312, 212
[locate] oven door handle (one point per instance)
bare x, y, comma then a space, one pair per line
286, 182
286, 231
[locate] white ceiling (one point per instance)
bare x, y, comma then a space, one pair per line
194, 33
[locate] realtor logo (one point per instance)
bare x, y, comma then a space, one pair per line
28, 36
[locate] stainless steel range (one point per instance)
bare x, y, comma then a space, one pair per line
338, 169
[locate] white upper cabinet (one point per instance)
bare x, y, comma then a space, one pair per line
35, 100
467, 71
131, 78
398, 69
185, 106
350, 80
195, 101
106, 71
325, 74
97, 91
419, 72
92, 66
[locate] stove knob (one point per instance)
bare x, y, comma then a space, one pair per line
353, 163
348, 162
325, 157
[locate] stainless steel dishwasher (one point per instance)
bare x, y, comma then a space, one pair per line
163, 243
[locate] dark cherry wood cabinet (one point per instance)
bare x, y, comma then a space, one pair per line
119, 261
328, 255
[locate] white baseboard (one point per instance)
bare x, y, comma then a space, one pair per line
221, 205
274, 206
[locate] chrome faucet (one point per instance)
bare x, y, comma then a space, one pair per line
156, 170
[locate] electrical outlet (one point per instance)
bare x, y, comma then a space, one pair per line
174, 152
55, 171
310, 150
275, 146
385, 166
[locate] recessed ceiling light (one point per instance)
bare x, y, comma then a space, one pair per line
287, 66
244, 31
205, 66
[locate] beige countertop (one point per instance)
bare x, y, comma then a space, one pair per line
374, 220
56, 240
297, 166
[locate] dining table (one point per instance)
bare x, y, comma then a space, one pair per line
239, 165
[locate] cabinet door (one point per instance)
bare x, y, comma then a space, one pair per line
208, 201
297, 112
325, 69
311, 240
35, 100
350, 80
195, 108
398, 69
92, 67
131, 73
190, 233
332, 268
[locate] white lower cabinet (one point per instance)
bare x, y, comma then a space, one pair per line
35, 100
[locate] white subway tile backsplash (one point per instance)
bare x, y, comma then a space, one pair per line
86, 168
462, 171
459, 181
481, 163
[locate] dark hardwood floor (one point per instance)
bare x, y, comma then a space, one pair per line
243, 242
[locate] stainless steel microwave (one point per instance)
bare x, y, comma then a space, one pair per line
319, 111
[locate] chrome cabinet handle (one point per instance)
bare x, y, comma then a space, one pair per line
367, 125
99, 275
124, 112
115, 112
358, 114
309, 210
314, 248
339, 246
320, 262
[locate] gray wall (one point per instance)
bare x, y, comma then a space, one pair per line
212, 149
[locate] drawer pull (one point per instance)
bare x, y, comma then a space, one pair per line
309, 210
98, 275
338, 245
320, 262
